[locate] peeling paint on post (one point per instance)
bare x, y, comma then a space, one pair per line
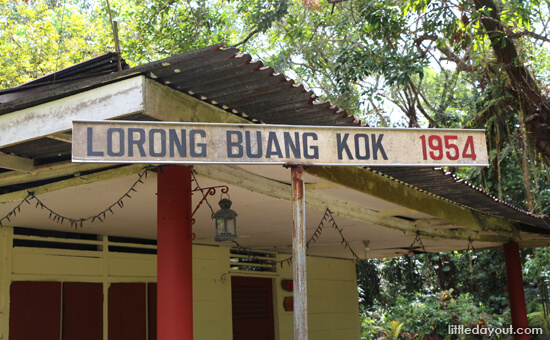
299, 253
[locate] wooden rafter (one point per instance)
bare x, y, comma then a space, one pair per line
16, 163
73, 182
49, 171
169, 105
62, 137
247, 180
368, 182
397, 212
322, 186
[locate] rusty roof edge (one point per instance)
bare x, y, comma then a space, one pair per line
68, 90
459, 181
39, 81
246, 115
495, 199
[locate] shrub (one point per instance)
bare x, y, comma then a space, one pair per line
428, 316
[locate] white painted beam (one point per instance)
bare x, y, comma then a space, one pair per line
322, 186
106, 102
237, 176
169, 105
15, 162
49, 171
397, 212
73, 182
125, 97
378, 185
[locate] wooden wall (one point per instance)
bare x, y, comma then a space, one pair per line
332, 289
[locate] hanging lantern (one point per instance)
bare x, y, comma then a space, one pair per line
226, 222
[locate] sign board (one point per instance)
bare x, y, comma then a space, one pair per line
192, 143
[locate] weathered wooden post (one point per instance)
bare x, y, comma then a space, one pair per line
299, 253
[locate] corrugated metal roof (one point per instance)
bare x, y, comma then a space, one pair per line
92, 68
218, 76
246, 88
448, 186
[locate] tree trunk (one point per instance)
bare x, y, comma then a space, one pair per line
525, 171
535, 106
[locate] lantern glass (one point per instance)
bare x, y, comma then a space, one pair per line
226, 223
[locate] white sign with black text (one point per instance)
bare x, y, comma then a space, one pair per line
189, 143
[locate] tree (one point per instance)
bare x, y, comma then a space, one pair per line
447, 63
438, 65
534, 105
41, 37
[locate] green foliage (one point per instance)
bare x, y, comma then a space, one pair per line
161, 28
539, 320
480, 274
429, 292
536, 266
430, 315
368, 326
368, 280
40, 37
391, 331
262, 14
396, 67
391, 63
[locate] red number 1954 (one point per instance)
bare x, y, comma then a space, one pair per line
446, 147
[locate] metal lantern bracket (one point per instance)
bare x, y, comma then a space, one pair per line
210, 191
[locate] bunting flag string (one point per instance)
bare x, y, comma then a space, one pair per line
59, 218
319, 229
287, 261
417, 243
329, 218
15, 210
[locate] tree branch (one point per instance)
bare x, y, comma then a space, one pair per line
448, 53
254, 32
528, 34
507, 30
421, 108
378, 112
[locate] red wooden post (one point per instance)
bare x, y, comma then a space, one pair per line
174, 254
515, 289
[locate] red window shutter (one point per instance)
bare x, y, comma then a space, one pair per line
127, 318
252, 305
35, 310
82, 311
152, 310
